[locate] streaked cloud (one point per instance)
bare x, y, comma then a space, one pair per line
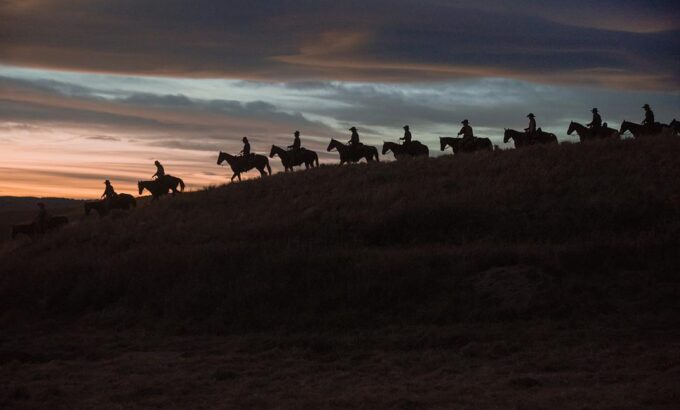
631, 44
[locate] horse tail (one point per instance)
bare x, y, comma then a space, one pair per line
181, 184
377, 158
269, 169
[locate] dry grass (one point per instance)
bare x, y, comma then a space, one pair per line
478, 278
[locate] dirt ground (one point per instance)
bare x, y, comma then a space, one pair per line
519, 365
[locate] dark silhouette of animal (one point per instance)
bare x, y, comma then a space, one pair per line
245, 163
160, 187
584, 133
32, 230
471, 145
350, 154
523, 139
639, 130
291, 159
121, 201
409, 150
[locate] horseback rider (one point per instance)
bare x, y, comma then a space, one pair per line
296, 147
531, 130
42, 218
246, 147
354, 141
649, 117
109, 194
407, 135
160, 171
297, 144
466, 131
596, 124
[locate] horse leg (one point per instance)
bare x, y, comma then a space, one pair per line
234, 176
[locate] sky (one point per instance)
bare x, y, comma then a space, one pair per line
99, 89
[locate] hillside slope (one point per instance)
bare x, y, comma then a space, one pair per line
559, 232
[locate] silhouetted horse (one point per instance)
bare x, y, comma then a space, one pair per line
291, 159
32, 229
523, 139
457, 144
161, 186
353, 154
414, 149
122, 201
585, 133
642, 131
241, 164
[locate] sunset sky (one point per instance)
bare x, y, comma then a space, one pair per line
97, 89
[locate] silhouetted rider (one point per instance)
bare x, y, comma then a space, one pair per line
354, 139
649, 116
297, 144
466, 131
596, 123
246, 147
42, 218
531, 130
109, 192
407, 135
160, 171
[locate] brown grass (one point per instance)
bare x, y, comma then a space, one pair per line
553, 268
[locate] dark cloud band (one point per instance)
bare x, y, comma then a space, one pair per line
379, 40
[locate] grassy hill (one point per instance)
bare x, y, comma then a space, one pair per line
544, 277
560, 231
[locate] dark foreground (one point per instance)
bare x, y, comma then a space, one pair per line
537, 278
523, 366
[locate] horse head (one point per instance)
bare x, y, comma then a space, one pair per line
506, 136
442, 144
140, 185
332, 144
220, 158
386, 147
625, 125
572, 128
272, 152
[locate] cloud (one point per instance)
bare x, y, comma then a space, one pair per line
161, 120
103, 138
631, 44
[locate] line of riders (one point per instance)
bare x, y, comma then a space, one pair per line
296, 155
354, 150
